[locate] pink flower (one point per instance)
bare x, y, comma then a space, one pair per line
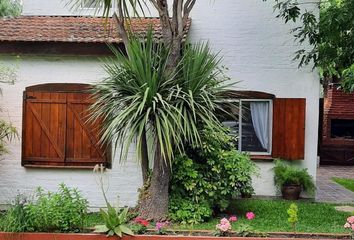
224, 225
347, 225
159, 225
224, 221
233, 219
350, 220
250, 215
353, 227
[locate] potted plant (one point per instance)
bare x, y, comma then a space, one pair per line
292, 180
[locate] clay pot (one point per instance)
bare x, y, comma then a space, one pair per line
291, 191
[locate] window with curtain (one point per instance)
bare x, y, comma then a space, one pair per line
250, 121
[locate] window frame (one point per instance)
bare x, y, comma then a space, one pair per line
270, 101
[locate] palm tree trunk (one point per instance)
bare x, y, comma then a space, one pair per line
154, 202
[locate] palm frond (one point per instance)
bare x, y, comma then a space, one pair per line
7, 133
106, 8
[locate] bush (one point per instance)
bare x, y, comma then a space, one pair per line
62, 211
186, 211
15, 219
208, 177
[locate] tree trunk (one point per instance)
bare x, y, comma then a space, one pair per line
175, 53
144, 158
154, 202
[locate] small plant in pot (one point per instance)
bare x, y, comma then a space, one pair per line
292, 180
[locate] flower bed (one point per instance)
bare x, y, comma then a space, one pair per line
180, 236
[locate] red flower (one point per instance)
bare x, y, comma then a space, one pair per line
137, 219
144, 222
141, 221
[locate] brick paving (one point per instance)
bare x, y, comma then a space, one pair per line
329, 191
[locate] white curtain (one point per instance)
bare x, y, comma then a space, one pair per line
260, 120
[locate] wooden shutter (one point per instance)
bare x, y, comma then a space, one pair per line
289, 128
82, 141
44, 128
55, 127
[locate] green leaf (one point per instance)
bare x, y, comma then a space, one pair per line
126, 230
110, 233
118, 231
101, 229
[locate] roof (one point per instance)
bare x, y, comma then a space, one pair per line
74, 29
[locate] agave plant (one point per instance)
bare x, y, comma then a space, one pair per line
115, 222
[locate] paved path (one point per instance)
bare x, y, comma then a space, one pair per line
329, 191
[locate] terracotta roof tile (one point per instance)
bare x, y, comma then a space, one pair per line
71, 29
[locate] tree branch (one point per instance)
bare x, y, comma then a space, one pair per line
188, 6
167, 30
120, 20
180, 25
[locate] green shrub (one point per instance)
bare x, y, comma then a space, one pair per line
285, 174
209, 176
15, 219
62, 211
186, 211
293, 215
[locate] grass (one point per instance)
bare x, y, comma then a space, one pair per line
271, 216
345, 182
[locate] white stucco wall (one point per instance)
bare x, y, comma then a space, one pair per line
123, 179
257, 48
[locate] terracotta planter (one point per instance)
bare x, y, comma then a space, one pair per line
73, 236
291, 191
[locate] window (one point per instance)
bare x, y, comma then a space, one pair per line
56, 131
251, 122
342, 128
266, 126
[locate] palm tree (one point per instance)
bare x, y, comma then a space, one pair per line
173, 21
181, 91
142, 93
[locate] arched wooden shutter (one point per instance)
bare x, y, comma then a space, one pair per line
289, 128
56, 130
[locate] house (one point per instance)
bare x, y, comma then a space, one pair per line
55, 55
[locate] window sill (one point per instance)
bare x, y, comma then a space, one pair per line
267, 158
59, 167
